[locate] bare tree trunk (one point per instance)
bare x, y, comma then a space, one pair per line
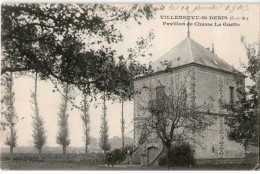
104, 143
86, 148
123, 126
64, 152
11, 146
11, 153
40, 153
85, 119
168, 159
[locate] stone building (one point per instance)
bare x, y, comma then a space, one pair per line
207, 76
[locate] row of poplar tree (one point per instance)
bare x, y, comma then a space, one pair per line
39, 132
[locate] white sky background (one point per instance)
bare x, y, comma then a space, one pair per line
227, 46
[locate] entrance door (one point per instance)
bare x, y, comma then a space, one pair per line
152, 152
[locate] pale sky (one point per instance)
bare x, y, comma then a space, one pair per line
227, 46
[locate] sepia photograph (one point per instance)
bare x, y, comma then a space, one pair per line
129, 86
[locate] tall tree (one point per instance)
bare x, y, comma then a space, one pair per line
244, 113
66, 42
86, 123
63, 132
10, 114
172, 116
39, 134
103, 142
126, 72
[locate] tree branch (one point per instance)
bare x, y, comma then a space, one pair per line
17, 69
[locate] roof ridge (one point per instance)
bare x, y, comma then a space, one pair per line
215, 55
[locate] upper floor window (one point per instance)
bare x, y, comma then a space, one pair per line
231, 94
213, 150
160, 92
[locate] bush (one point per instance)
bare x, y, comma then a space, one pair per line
114, 157
118, 155
181, 155
163, 161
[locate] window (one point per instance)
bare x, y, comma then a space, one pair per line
231, 93
213, 150
160, 94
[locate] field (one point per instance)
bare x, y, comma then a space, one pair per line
29, 161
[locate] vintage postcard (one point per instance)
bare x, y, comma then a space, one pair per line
130, 86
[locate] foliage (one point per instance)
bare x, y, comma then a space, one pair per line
243, 114
9, 113
181, 155
67, 42
113, 157
129, 69
124, 85
118, 155
63, 132
39, 133
86, 123
103, 142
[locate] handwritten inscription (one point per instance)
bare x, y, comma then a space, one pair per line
192, 9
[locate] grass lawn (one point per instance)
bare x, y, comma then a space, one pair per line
24, 165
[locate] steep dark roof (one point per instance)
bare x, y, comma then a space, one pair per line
189, 51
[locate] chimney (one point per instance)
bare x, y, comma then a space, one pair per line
213, 51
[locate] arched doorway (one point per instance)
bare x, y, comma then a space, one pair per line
152, 152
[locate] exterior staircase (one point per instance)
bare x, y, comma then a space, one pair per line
155, 161
137, 156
